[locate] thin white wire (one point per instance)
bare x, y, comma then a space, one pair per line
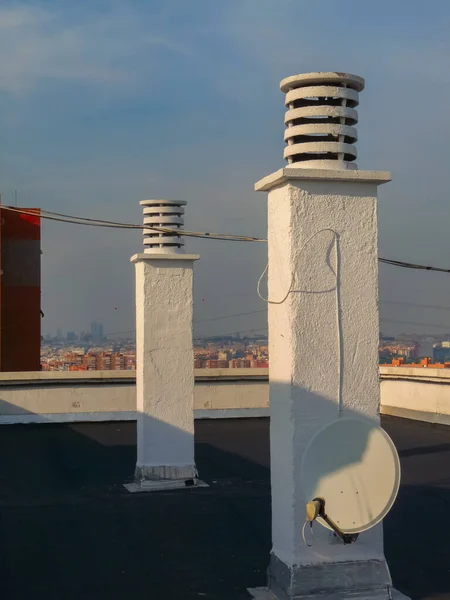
304, 535
293, 274
337, 297
258, 290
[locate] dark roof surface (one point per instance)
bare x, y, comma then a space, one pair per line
69, 530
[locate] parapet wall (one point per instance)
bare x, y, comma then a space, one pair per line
414, 393
111, 395
422, 394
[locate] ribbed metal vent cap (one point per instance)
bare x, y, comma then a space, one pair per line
320, 119
163, 214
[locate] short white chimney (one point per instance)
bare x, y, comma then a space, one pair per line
164, 351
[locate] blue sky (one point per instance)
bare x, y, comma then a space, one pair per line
103, 104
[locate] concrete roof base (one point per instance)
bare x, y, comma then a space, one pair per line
263, 593
348, 580
74, 486
164, 484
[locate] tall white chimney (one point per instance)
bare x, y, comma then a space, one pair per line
323, 338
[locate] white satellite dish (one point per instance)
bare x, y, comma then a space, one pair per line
351, 476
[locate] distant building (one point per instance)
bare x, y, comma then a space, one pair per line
118, 362
388, 351
240, 363
103, 362
20, 290
425, 348
89, 362
216, 364
129, 362
441, 352
94, 331
259, 364
97, 334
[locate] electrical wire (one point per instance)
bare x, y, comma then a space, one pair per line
243, 314
63, 218
417, 324
407, 265
415, 305
250, 312
393, 321
199, 337
115, 333
121, 332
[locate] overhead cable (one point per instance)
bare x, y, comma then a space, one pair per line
250, 312
220, 318
199, 337
407, 265
52, 216
415, 305
63, 218
416, 324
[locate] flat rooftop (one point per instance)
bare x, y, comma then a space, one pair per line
70, 530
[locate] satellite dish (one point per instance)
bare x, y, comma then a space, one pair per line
351, 475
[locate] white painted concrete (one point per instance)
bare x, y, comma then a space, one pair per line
111, 395
165, 366
322, 346
414, 393
286, 173
315, 78
63, 396
63, 377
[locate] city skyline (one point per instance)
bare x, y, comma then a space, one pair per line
227, 353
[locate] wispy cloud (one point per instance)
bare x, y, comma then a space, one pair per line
39, 45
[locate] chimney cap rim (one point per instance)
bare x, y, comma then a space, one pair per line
304, 79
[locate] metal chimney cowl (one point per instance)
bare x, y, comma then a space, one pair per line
320, 120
